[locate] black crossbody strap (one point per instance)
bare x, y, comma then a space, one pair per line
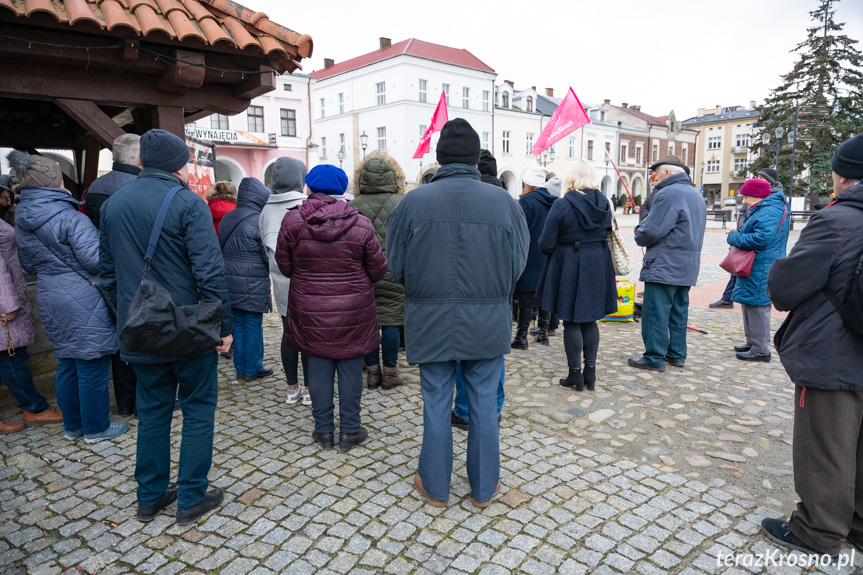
157, 227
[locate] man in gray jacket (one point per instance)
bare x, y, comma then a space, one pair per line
458, 246
673, 233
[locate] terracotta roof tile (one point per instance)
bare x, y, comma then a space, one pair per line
207, 21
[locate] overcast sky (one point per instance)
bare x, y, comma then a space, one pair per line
662, 54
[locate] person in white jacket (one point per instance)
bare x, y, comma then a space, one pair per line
287, 187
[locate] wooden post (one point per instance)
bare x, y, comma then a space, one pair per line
91, 161
170, 118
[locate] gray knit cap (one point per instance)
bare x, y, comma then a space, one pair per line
288, 176
35, 171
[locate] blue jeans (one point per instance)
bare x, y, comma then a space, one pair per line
729, 289
481, 378
248, 342
158, 385
663, 322
16, 375
82, 393
389, 344
460, 408
322, 373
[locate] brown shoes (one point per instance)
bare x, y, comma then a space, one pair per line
391, 378
10, 427
485, 504
418, 483
50, 415
373, 376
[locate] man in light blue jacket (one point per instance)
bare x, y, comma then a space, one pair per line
673, 233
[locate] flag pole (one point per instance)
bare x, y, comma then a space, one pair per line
608, 155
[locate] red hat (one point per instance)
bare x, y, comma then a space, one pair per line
755, 188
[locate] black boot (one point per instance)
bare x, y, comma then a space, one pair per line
542, 325
574, 379
520, 341
590, 377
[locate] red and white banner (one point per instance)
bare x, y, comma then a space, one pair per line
438, 119
567, 118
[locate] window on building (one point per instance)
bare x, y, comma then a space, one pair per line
341, 103
655, 153
382, 138
505, 146
382, 93
504, 100
743, 140
219, 122
608, 149
342, 143
528, 144
712, 166
637, 155
486, 96
485, 140
590, 149
570, 148
323, 107
670, 149
445, 88
289, 122
683, 154
423, 91
623, 153
602, 115
288, 88
465, 98
256, 118
323, 147
529, 105
423, 129
740, 164
714, 142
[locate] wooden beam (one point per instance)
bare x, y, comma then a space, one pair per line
91, 118
195, 116
256, 84
91, 161
187, 72
170, 119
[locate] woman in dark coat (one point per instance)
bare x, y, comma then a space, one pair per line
248, 275
331, 253
59, 244
578, 283
380, 185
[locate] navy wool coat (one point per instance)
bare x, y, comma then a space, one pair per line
535, 206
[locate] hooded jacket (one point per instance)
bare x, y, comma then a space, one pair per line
535, 206
458, 246
815, 347
330, 252
578, 282
13, 294
247, 270
271, 223
763, 233
673, 233
219, 208
71, 310
380, 184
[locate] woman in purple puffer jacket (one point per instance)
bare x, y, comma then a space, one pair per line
330, 252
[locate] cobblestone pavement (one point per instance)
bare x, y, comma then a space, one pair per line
651, 474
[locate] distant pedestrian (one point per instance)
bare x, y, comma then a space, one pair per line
248, 278
380, 185
766, 232
578, 283
287, 187
59, 245
188, 263
822, 351
458, 246
16, 333
673, 233
332, 256
221, 201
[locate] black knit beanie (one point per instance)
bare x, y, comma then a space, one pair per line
487, 164
848, 159
458, 144
162, 150
770, 175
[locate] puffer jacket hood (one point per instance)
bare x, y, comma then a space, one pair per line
42, 205
543, 196
328, 218
379, 173
591, 215
252, 193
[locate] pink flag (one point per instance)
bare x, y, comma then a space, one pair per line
439, 118
567, 118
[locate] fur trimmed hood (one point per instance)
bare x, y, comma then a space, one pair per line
379, 173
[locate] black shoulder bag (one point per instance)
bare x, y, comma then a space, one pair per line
159, 327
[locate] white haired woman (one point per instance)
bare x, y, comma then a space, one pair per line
578, 283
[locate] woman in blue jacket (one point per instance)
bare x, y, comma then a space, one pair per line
766, 232
60, 245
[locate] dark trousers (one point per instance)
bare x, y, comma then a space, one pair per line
15, 373
663, 322
389, 347
125, 383
553, 322
828, 467
248, 342
158, 386
729, 289
291, 361
322, 373
82, 393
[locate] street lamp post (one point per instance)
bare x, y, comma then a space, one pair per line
341, 156
364, 143
765, 139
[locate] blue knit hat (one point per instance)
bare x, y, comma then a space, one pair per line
327, 179
163, 150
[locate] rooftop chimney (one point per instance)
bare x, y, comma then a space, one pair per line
607, 102
329, 63
624, 104
386, 43
718, 109
549, 92
701, 112
751, 104
533, 88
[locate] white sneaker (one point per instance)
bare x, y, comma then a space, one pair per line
307, 397
293, 395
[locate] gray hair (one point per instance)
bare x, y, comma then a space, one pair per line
670, 168
127, 149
